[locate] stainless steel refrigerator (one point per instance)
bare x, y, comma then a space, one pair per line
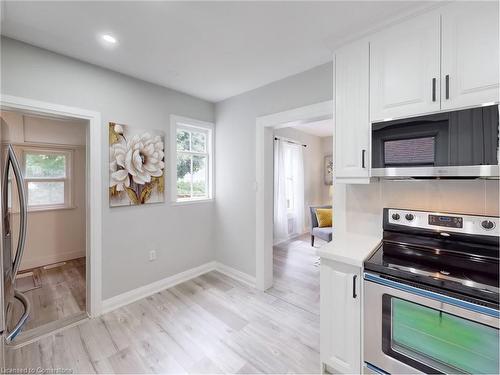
11, 322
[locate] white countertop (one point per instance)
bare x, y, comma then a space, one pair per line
349, 248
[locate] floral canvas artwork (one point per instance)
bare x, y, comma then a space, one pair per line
328, 170
136, 165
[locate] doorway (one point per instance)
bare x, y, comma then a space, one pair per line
302, 186
58, 150
50, 152
267, 126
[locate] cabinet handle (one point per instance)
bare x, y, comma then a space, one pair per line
354, 277
447, 86
434, 89
363, 152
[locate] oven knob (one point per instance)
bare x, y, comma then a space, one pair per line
409, 217
395, 216
488, 224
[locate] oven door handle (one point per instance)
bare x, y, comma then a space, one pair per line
433, 295
375, 369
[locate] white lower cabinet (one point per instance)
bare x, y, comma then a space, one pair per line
340, 316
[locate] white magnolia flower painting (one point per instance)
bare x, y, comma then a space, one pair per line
136, 165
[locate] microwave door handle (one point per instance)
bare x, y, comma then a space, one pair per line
22, 321
363, 164
22, 210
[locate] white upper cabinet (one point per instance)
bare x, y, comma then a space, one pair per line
352, 122
470, 49
405, 69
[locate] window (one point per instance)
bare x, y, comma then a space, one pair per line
47, 178
192, 180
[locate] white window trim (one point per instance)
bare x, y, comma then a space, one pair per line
69, 188
178, 122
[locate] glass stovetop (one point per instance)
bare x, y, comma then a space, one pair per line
464, 273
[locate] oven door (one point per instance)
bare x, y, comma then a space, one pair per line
412, 330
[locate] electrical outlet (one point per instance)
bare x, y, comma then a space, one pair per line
152, 255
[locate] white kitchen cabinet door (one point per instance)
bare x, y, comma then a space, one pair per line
340, 316
352, 118
470, 48
405, 69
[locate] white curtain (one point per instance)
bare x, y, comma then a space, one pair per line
288, 168
297, 165
280, 207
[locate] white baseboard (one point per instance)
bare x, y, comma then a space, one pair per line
235, 274
50, 259
123, 299
155, 287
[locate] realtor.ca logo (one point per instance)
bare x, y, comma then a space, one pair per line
36, 370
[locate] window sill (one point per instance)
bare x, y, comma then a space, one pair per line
192, 201
45, 209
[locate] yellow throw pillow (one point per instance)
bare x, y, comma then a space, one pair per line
324, 216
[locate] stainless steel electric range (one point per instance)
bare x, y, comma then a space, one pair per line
431, 295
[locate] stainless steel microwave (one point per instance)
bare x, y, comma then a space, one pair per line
457, 144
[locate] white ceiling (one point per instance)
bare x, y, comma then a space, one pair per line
322, 128
212, 50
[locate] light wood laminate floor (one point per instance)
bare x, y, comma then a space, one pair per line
211, 324
61, 293
296, 273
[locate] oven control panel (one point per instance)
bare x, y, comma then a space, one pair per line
445, 222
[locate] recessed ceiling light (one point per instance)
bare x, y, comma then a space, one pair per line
108, 38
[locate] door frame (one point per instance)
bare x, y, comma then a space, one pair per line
93, 186
264, 180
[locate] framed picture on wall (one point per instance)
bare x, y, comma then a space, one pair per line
328, 170
136, 165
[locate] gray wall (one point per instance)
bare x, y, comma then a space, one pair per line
182, 235
235, 157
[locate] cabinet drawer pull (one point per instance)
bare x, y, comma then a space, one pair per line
434, 89
447, 86
363, 152
354, 277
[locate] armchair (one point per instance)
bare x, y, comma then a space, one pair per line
323, 233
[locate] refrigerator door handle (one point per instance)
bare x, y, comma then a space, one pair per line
27, 307
23, 210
